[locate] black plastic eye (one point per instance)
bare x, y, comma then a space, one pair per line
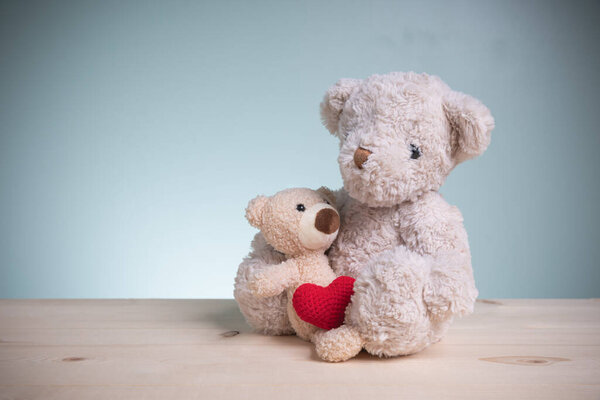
300, 207
327, 201
415, 152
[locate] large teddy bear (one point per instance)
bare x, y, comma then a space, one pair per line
400, 136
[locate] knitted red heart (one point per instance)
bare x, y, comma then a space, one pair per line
324, 306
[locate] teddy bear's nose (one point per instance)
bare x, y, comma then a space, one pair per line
360, 156
327, 221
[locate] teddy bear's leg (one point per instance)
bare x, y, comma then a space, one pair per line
266, 315
387, 307
338, 344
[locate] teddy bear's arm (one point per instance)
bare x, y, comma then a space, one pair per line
268, 314
274, 279
433, 228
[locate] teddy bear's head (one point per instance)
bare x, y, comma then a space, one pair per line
295, 221
401, 134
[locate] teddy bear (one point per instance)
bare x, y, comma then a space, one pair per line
400, 135
301, 224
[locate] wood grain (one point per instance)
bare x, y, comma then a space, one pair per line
157, 349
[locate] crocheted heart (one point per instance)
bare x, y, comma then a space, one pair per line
324, 306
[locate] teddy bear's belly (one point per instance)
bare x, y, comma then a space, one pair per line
364, 234
321, 278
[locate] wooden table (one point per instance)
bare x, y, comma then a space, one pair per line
172, 349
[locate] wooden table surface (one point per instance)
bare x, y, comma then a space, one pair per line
172, 349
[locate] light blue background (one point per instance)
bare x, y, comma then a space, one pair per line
133, 134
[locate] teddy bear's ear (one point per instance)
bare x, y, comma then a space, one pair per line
255, 210
471, 124
333, 102
328, 194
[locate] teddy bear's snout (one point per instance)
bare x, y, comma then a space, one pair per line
327, 221
360, 156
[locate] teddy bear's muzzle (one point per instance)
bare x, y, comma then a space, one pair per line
319, 226
327, 221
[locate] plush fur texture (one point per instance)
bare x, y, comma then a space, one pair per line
403, 243
301, 224
267, 315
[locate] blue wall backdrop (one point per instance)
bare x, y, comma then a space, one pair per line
133, 134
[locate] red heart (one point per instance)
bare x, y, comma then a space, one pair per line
324, 306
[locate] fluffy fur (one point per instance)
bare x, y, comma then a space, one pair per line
403, 243
267, 315
288, 222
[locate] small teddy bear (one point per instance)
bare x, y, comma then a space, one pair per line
300, 223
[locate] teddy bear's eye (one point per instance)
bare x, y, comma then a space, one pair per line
415, 152
327, 201
300, 207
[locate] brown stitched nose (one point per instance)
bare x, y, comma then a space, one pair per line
327, 221
360, 156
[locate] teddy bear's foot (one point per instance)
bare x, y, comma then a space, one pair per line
338, 344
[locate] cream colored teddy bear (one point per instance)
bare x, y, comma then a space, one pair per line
301, 224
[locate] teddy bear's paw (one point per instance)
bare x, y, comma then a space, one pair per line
338, 344
261, 286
